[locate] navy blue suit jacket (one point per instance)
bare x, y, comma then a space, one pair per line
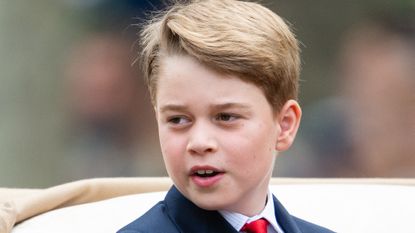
176, 214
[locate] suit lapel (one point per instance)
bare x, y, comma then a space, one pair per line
190, 218
284, 219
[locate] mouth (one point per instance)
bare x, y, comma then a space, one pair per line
206, 176
205, 171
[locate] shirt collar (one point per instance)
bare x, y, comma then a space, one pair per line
238, 220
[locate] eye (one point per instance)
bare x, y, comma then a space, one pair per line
178, 120
226, 117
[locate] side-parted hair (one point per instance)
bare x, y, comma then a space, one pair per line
233, 37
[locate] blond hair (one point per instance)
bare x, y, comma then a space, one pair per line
239, 38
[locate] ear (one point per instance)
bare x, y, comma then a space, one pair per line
289, 120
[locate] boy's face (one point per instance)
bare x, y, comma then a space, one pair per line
218, 136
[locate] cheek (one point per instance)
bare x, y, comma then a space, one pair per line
259, 138
251, 148
172, 147
241, 150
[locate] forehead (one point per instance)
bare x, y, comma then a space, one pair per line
184, 78
184, 70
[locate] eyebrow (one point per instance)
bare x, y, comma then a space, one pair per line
230, 105
172, 107
179, 107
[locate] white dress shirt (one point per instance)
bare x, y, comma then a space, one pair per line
238, 220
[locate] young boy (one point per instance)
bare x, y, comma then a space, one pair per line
223, 77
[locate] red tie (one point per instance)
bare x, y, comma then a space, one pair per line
258, 226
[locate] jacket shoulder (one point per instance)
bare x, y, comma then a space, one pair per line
155, 220
308, 227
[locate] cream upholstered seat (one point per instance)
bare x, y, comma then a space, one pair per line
343, 205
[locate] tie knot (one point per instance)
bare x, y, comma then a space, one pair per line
258, 226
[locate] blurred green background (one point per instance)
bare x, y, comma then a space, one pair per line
37, 37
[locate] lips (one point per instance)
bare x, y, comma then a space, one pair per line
205, 176
204, 171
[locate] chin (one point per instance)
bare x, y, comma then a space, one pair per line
209, 205
210, 202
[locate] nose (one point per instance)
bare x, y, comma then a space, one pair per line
201, 140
